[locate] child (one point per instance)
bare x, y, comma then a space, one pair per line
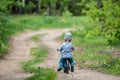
66, 51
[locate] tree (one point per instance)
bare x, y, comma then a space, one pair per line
100, 4
4, 25
108, 17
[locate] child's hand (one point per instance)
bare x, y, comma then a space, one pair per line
58, 49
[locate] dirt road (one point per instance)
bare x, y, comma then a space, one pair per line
10, 68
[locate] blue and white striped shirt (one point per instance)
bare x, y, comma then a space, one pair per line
66, 50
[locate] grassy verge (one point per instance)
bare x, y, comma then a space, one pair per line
36, 22
39, 54
95, 53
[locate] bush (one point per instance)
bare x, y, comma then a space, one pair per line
30, 6
108, 18
5, 26
5, 32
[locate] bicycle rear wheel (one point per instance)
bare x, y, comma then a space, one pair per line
67, 69
66, 66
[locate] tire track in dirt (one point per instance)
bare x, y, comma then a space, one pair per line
20, 45
10, 68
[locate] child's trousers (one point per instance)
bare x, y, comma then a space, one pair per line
61, 62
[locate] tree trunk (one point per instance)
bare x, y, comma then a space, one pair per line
100, 4
37, 6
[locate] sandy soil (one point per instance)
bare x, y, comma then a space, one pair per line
10, 68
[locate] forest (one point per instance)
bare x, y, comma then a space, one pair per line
97, 23
51, 7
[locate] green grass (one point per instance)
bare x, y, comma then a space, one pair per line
91, 56
93, 52
43, 74
35, 38
112, 67
39, 55
37, 22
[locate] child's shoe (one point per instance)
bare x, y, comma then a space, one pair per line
59, 69
72, 69
65, 69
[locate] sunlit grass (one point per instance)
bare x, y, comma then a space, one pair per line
112, 67
35, 38
37, 22
38, 54
95, 52
93, 56
43, 74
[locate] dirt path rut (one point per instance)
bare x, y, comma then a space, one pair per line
10, 68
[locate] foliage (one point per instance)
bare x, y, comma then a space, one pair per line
30, 6
52, 7
112, 22
108, 18
5, 26
3, 6
66, 13
39, 54
5, 29
20, 4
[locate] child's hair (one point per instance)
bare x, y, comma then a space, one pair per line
68, 40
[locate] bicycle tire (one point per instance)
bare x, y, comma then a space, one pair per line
67, 70
67, 67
